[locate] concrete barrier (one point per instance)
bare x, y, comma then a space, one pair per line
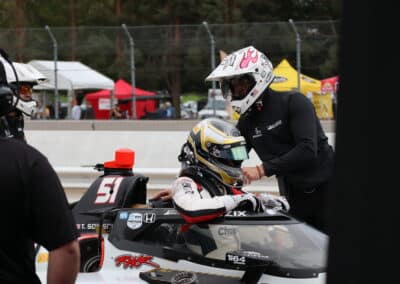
73, 148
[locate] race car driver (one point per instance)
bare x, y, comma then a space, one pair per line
210, 180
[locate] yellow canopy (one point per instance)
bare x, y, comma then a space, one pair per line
287, 80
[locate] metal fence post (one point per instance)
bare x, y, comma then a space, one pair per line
298, 53
212, 51
55, 52
131, 47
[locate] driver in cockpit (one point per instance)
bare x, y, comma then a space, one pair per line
210, 181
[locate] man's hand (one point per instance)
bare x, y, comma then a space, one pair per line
274, 202
253, 173
164, 195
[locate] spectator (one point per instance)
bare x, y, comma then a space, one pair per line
116, 113
162, 111
284, 131
89, 113
76, 110
169, 110
36, 211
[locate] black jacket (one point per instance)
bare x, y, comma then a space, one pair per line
287, 135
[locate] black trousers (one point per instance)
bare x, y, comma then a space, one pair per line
310, 205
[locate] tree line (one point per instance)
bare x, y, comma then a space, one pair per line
171, 46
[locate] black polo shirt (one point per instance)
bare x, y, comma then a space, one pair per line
33, 209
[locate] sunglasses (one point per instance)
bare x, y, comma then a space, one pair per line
25, 90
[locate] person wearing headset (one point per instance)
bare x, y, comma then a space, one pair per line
12, 123
34, 206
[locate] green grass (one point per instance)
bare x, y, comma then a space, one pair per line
192, 97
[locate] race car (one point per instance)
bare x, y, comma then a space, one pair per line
141, 242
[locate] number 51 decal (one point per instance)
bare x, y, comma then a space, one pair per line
108, 190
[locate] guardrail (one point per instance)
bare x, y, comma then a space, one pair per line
78, 179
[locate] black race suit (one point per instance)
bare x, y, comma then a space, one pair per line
286, 134
34, 209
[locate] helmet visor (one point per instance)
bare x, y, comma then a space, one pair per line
237, 87
228, 152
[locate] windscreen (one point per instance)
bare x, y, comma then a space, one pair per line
291, 246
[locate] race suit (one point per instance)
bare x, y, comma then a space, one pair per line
199, 199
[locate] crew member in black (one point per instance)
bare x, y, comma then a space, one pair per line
284, 131
34, 209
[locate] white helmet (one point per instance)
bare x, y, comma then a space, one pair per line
28, 107
248, 63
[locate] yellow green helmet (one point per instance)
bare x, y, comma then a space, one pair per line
218, 146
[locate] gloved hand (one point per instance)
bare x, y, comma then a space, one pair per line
274, 202
248, 202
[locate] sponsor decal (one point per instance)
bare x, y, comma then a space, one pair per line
170, 212
123, 215
274, 125
254, 254
235, 259
245, 257
229, 61
94, 227
226, 232
149, 218
135, 221
236, 214
134, 261
187, 188
257, 133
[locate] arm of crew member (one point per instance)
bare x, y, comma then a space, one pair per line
63, 265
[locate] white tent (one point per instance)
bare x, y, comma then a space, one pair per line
25, 73
71, 75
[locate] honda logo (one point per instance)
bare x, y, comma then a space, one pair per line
149, 218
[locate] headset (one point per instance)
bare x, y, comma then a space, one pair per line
9, 97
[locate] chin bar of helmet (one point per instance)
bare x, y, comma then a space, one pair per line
27, 107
